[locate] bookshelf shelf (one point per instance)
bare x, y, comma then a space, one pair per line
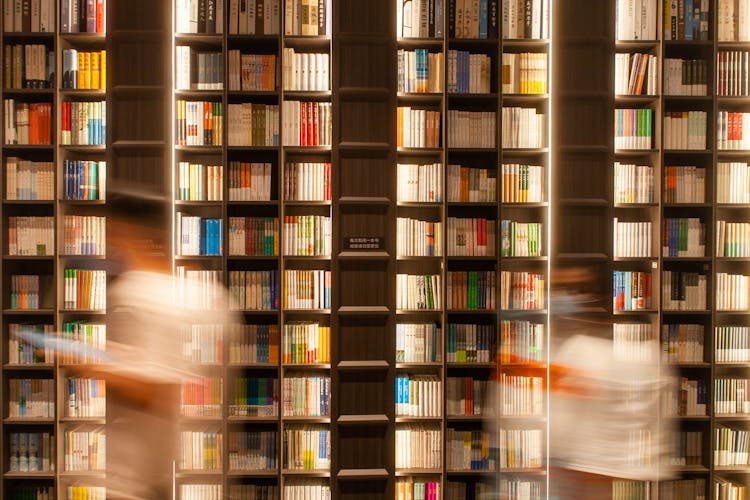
357, 474
411, 420
362, 365
469, 472
28, 421
352, 420
306, 473
478, 366
252, 473
29, 475
28, 312
29, 202
362, 255
30, 367
363, 310
419, 43
416, 472
27, 92
29, 257
83, 93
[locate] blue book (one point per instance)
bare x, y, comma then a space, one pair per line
482, 18
689, 22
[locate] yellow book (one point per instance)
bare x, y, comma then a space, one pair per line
103, 69
81, 70
88, 70
95, 71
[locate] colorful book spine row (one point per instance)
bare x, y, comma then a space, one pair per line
27, 123
685, 130
731, 447
521, 290
307, 289
199, 123
21, 351
636, 19
201, 397
685, 237
684, 184
29, 67
29, 180
419, 396
732, 239
198, 182
471, 290
521, 448
733, 182
84, 70
84, 235
467, 185
307, 235
732, 292
305, 71
686, 397
418, 291
683, 291
417, 128
83, 123
631, 290
464, 396
84, 180
419, 238
200, 450
419, 446
255, 397
469, 73
418, 343
525, 488
306, 343
252, 124
523, 18
31, 452
524, 128
732, 344
307, 17
34, 16
687, 448
420, 71
25, 291
199, 236
198, 70
307, 181
307, 447
634, 183
198, 289
731, 396
732, 68
84, 450
85, 289
420, 183
307, 123
733, 131
419, 19
686, 77
31, 235
470, 343
521, 395
31, 398
254, 290
471, 129
733, 21
85, 397
524, 73
93, 335
683, 343
300, 488
471, 237
633, 128
252, 450
522, 183
521, 239
251, 72
723, 489
678, 488
636, 74
84, 493
306, 396
521, 342
469, 450
202, 344
199, 491
249, 181
207, 16
423, 489
254, 344
257, 236
683, 23
82, 16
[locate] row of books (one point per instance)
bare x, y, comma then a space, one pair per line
201, 397
732, 292
84, 179
307, 289
29, 180
521, 239
86, 397
417, 128
636, 74
28, 291
92, 335
732, 239
623, 489
521, 342
686, 448
733, 21
522, 183
252, 450
306, 343
200, 123
255, 397
733, 131
522, 290
38, 16
732, 182
520, 448
684, 237
306, 71
84, 70
77, 492
471, 237
307, 447
198, 182
636, 20
198, 235
633, 128
684, 184
307, 181
731, 344
421, 71
419, 395
198, 70
254, 344
251, 72
307, 17
471, 129
31, 452
21, 352
685, 130
200, 450
254, 290
523, 128
29, 66
522, 19
84, 235
731, 396
418, 343
465, 396
683, 343
732, 67
83, 123
723, 489
731, 446
198, 288
258, 236
631, 290
683, 291
411, 489
685, 397
307, 235
521, 395
31, 398
31, 235
204, 16
681, 23
85, 450
633, 342
470, 290
418, 446
202, 343
307, 123
82, 16
469, 450
688, 77
27, 123
249, 181
471, 73
418, 237
252, 124
419, 18
467, 184
524, 73
85, 289
418, 291
635, 183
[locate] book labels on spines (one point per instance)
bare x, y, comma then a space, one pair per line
470, 290
686, 77
686, 184
251, 72
307, 17
29, 235
724, 489
305, 396
732, 239
198, 182
732, 68
201, 397
253, 344
83, 123
419, 395
634, 128
198, 70
84, 180
84, 450
29, 16
418, 128
636, 19
633, 342
428, 489
631, 290
83, 16
85, 397
254, 124
632, 239
420, 183
522, 290
733, 21
21, 352
84, 235
521, 239
307, 235
521, 342
29, 180
480, 19
733, 131
85, 289
733, 182
307, 289
199, 492
307, 181
523, 128
201, 450
681, 23
470, 129
524, 73
519, 19
204, 16
32, 452
254, 290
249, 181
84, 70
421, 71
253, 236
685, 130
254, 397
421, 18
634, 183
470, 343
252, 451
469, 450
471, 237
199, 123
520, 448
305, 71
469, 73
684, 237
28, 67
637, 74
307, 447
419, 446
307, 123
27, 123
31, 398
418, 343
306, 343
418, 238
418, 291
684, 291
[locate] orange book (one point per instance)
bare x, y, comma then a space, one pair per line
400, 127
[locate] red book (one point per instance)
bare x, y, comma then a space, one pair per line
316, 124
100, 28
310, 123
303, 124
327, 181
